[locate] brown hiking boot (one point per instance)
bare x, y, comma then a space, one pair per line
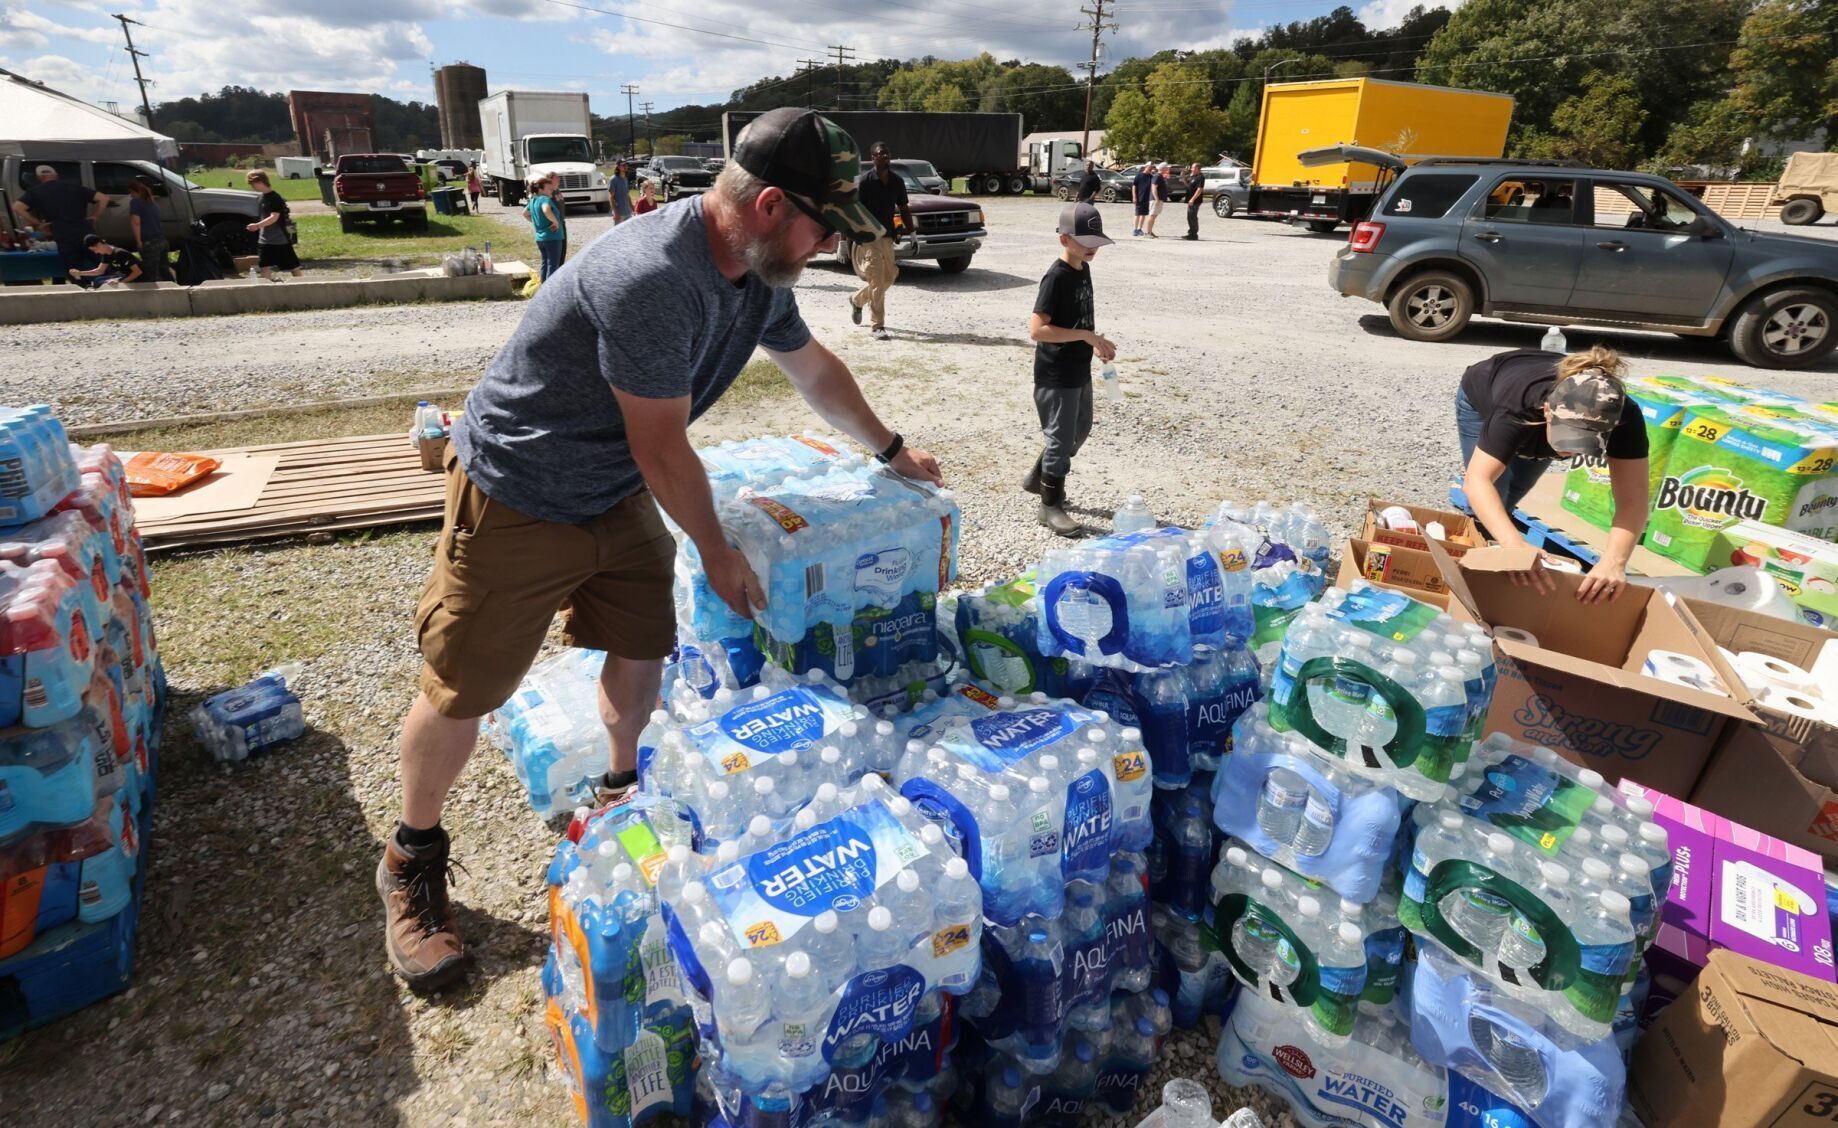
418, 928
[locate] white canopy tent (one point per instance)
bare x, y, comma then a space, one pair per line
39, 123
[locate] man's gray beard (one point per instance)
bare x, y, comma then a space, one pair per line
766, 256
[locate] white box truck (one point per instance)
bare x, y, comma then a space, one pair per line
529, 132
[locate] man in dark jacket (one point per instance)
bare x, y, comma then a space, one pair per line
69, 207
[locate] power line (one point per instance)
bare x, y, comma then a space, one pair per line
1098, 25
843, 55
810, 90
631, 128
677, 26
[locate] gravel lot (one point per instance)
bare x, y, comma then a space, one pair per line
262, 995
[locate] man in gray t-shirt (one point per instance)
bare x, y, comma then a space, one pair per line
574, 437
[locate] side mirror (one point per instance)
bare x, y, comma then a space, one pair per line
1704, 228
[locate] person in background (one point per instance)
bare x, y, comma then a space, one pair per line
883, 193
1158, 196
1196, 192
1142, 188
472, 184
1517, 411
619, 189
274, 246
149, 237
115, 265
1090, 185
547, 217
1062, 329
647, 198
68, 207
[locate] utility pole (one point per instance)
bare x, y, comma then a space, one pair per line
1098, 25
146, 107
810, 87
650, 137
843, 55
631, 127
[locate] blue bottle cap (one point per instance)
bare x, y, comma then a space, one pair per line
1145, 1028
1011, 1077
1084, 1052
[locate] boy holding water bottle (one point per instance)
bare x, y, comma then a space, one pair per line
1062, 329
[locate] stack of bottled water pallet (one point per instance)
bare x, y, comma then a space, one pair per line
1360, 804
81, 699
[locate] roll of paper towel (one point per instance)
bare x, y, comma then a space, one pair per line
1795, 704
1759, 669
1398, 519
1683, 669
1514, 634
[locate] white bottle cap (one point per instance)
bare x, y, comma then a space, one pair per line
1449, 820
899, 804
760, 692
1351, 908
1615, 836
1499, 843
740, 970
826, 755
1049, 763
789, 759
1130, 734
1088, 756
908, 881
1349, 932
622, 873
879, 919
1038, 785
826, 921
1235, 855
1005, 702
1136, 499
1639, 806
727, 852
1591, 779
826, 792
718, 790
1654, 834
956, 869
798, 965
1615, 903
695, 892
1635, 865
883, 728
759, 826
1554, 873
1097, 734
933, 837
998, 793
1308, 906
764, 786
1272, 879
608, 849
847, 730
912, 747
1595, 869
659, 717
678, 853
804, 819
712, 934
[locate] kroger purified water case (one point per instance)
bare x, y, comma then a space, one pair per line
1772, 464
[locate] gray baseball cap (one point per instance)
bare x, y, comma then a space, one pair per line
1584, 409
1084, 224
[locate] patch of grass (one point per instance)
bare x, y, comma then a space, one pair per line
759, 381
236, 178
447, 1042
322, 240
293, 426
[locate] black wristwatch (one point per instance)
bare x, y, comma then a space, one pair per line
893, 449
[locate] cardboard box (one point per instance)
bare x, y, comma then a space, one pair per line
1812, 649
1463, 531
1406, 570
433, 452
1755, 777
1579, 689
1805, 567
1751, 1045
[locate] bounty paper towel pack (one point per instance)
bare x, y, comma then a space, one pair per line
1586, 488
1769, 465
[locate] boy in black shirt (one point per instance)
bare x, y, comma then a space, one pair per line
116, 264
1062, 329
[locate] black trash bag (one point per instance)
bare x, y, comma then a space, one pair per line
199, 261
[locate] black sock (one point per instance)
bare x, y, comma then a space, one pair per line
412, 839
616, 780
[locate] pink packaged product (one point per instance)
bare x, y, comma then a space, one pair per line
1733, 887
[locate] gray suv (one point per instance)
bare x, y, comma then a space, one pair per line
1556, 243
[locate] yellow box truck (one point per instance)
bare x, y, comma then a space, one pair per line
1402, 118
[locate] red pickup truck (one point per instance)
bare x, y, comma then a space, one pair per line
378, 186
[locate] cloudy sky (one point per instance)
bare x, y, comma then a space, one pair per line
677, 51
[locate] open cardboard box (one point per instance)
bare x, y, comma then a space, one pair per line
1463, 532
1580, 690
1410, 571
1811, 648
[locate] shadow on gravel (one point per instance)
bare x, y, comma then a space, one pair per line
960, 339
1653, 346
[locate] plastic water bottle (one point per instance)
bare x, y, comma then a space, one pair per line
960, 904
485, 259
1113, 387
1513, 1057
803, 1008
1554, 341
1133, 516
741, 1021
1186, 1104
255, 274
1127, 925
1280, 806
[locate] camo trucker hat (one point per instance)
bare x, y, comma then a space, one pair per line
1584, 409
809, 155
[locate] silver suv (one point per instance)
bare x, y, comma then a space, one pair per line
1556, 243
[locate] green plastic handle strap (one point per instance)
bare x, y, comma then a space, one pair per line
1306, 987
1406, 744
990, 638
1562, 961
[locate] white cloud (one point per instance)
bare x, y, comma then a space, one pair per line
56, 71
1381, 14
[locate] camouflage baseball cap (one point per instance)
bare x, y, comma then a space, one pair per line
1584, 409
809, 155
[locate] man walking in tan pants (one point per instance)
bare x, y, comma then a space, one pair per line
883, 193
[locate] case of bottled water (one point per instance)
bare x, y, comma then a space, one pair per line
1392, 687
1190, 968
1291, 942
764, 752
998, 632
255, 717
816, 947
1288, 560
551, 731
617, 1010
1038, 795
1463, 1023
1144, 600
36, 468
82, 552
47, 647
1305, 810
1374, 1079
1103, 1055
1186, 713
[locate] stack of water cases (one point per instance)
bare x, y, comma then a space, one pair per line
1532, 891
1048, 803
81, 697
1288, 564
1374, 699
551, 731
852, 557
616, 1008
821, 963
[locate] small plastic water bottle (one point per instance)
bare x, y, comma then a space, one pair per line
1107, 379
1554, 341
485, 261
255, 274
1133, 516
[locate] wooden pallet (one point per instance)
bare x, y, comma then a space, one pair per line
1742, 200
320, 485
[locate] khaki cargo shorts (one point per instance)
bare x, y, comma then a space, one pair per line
500, 576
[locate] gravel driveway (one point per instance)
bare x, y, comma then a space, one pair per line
262, 995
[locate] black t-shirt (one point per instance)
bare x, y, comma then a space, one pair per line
882, 200
121, 262
1509, 390
1144, 186
1090, 186
1161, 187
63, 203
1065, 297
1196, 189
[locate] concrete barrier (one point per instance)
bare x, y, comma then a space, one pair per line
31, 305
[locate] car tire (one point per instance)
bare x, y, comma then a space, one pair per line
603, 208
1320, 226
1017, 185
1432, 306
1223, 206
418, 222
1801, 212
1790, 328
1108, 195
954, 265
507, 195
992, 185
345, 224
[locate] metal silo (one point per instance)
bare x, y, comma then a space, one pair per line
458, 88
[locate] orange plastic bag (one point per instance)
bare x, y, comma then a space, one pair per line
153, 473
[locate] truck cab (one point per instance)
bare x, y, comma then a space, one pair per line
1048, 159
225, 212
569, 155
